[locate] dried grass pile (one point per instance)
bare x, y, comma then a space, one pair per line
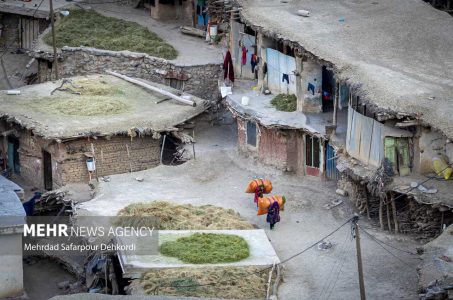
84, 97
236, 282
171, 216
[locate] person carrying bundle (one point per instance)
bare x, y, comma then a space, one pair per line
271, 206
259, 187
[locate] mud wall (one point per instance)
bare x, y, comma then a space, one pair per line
199, 80
282, 149
433, 143
117, 155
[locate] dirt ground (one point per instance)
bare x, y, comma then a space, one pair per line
15, 68
219, 176
41, 279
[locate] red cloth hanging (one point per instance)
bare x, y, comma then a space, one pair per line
228, 69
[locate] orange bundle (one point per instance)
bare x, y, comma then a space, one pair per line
265, 203
257, 184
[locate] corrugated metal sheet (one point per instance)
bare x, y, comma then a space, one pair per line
277, 65
331, 164
364, 139
376, 151
273, 70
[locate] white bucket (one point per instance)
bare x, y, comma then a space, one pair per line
213, 31
245, 100
91, 165
303, 13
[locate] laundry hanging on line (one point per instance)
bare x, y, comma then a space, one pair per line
228, 69
244, 55
311, 88
285, 77
254, 60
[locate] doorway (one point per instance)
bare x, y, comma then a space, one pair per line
13, 154
328, 89
312, 155
47, 164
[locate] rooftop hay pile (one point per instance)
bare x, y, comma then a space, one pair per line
207, 248
285, 102
180, 217
242, 282
91, 29
84, 97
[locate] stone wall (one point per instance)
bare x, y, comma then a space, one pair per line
9, 31
199, 80
431, 144
117, 155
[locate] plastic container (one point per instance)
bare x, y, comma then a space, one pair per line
303, 13
91, 165
245, 100
213, 31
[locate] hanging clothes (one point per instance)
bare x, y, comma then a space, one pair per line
273, 214
244, 56
228, 69
285, 77
253, 62
311, 88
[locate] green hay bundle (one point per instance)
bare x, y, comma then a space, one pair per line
180, 217
237, 282
285, 102
207, 248
91, 29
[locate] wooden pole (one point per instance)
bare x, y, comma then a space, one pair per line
52, 24
129, 157
162, 150
381, 212
389, 221
359, 258
153, 88
395, 217
94, 160
335, 107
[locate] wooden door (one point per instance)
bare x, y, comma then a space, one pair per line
47, 164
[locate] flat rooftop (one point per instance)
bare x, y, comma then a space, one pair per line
261, 110
95, 105
12, 212
261, 252
34, 8
395, 54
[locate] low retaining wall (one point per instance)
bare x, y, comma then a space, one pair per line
198, 80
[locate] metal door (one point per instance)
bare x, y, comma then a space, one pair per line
331, 164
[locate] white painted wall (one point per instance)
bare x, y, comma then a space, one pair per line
311, 73
11, 273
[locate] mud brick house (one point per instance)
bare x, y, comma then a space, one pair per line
51, 129
373, 104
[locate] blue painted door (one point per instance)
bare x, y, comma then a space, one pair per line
331, 164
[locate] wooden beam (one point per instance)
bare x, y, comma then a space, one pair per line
153, 88
395, 217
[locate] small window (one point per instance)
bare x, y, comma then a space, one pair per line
397, 152
312, 150
251, 133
